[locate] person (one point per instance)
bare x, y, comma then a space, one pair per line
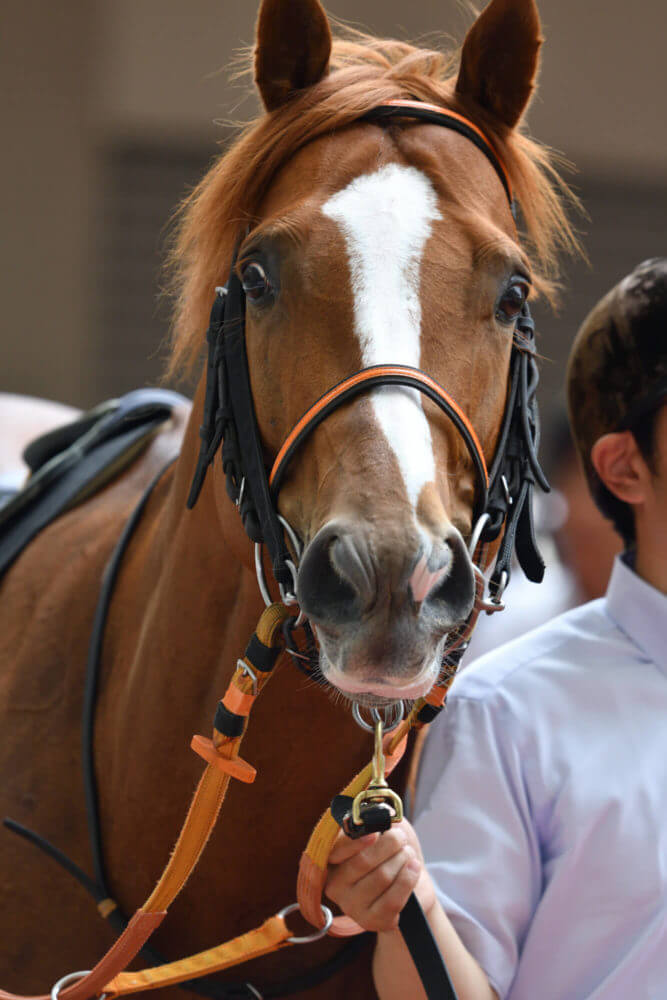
577, 543
539, 852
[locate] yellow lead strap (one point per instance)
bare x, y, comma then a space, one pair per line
211, 789
271, 936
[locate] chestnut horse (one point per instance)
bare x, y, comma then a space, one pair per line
357, 244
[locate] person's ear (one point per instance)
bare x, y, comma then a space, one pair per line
621, 466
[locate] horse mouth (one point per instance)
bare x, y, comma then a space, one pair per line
370, 685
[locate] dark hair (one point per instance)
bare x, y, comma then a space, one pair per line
617, 376
622, 514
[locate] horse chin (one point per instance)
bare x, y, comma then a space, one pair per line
370, 684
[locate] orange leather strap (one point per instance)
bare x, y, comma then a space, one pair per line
238, 701
270, 937
235, 767
224, 763
214, 782
371, 374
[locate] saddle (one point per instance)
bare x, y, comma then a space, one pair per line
73, 462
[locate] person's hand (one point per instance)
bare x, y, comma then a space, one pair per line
372, 878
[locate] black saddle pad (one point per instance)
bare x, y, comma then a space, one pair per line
71, 463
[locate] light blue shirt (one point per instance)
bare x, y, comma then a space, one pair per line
542, 803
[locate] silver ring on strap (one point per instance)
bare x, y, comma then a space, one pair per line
482, 521
390, 722
322, 932
72, 977
285, 596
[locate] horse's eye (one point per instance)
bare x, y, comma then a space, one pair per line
255, 283
512, 301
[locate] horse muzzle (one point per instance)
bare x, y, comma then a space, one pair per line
382, 611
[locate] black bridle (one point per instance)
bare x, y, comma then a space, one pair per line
230, 422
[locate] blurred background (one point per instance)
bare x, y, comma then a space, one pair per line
115, 108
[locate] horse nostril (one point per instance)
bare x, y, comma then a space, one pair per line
445, 583
336, 582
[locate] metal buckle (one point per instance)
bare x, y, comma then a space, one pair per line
248, 672
316, 935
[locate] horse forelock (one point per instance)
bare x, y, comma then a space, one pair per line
365, 72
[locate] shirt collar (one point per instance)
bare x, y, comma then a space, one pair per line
638, 609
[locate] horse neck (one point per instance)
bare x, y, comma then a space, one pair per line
186, 602
185, 609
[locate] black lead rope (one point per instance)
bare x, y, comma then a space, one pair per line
425, 953
412, 923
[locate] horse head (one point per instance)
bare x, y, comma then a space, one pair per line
361, 243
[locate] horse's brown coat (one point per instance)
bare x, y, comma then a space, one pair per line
186, 600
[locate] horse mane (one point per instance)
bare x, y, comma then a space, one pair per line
364, 72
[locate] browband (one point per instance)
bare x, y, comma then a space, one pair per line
453, 121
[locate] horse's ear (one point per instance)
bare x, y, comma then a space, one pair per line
500, 57
292, 48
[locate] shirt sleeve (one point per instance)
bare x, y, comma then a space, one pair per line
476, 831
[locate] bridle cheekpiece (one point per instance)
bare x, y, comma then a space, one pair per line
504, 491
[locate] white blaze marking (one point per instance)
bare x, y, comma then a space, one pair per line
386, 220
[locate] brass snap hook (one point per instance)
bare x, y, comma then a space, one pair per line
378, 792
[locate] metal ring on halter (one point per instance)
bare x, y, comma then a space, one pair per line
322, 932
259, 573
289, 596
397, 709
285, 596
482, 521
66, 980
293, 537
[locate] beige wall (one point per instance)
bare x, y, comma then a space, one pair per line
46, 178
602, 89
82, 76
